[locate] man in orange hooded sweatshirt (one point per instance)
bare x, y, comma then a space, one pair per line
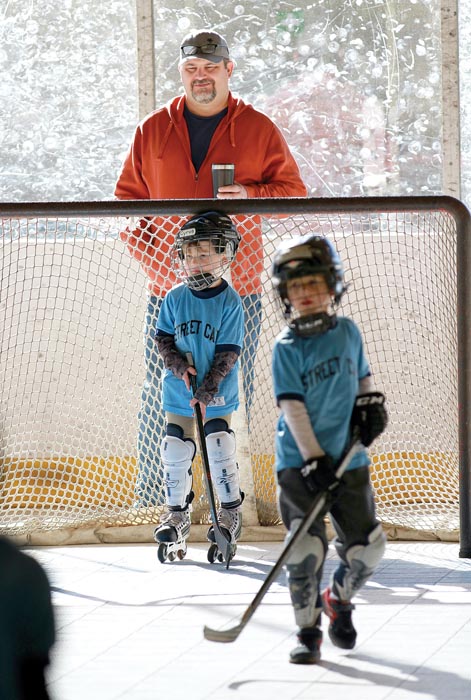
170, 157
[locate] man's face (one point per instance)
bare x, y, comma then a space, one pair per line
205, 82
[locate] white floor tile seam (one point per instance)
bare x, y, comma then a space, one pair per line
98, 654
386, 684
148, 676
214, 692
452, 635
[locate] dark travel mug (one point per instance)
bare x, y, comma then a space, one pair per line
223, 174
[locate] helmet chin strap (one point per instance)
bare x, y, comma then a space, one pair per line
201, 281
313, 324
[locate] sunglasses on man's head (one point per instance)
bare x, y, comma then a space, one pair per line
205, 48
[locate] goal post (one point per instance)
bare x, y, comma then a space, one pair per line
463, 312
75, 386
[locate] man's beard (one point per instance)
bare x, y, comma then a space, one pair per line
205, 95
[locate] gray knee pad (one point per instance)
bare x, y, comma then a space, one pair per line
221, 446
177, 454
303, 569
359, 563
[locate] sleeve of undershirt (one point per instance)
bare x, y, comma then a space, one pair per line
299, 424
366, 385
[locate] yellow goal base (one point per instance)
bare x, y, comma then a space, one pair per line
399, 477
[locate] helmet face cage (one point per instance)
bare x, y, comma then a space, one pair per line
224, 237
307, 255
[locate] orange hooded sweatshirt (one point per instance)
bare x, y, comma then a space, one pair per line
159, 166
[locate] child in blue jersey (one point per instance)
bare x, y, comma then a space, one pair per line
203, 316
323, 386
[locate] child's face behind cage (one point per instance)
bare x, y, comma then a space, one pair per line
201, 257
309, 294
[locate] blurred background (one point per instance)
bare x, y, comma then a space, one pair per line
365, 91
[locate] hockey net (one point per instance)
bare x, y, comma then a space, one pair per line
73, 304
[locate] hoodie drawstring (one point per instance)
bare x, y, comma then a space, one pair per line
165, 139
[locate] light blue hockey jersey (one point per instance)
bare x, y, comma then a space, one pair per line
203, 323
323, 371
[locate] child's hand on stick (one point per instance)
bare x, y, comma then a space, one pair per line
193, 403
186, 377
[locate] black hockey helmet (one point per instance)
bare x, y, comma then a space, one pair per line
310, 254
213, 226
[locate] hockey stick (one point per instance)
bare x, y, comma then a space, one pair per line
222, 541
231, 634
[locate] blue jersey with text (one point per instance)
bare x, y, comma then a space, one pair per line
322, 371
203, 323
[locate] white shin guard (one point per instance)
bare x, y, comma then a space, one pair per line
360, 561
177, 454
221, 445
302, 567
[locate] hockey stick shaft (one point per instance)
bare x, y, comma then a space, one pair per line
221, 541
317, 505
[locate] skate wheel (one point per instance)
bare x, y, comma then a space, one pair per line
162, 553
171, 556
213, 553
181, 553
220, 557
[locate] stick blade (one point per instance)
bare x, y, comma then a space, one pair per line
223, 636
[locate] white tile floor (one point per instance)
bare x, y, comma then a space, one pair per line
130, 627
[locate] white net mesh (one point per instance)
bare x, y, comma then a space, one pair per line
80, 416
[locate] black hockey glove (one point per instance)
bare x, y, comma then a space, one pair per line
319, 473
369, 416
